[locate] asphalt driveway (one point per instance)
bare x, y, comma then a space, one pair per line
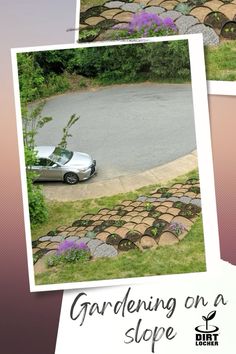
127, 128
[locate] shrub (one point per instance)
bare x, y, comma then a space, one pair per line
144, 24
69, 252
37, 207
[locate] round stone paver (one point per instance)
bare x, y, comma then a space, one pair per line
111, 229
166, 217
171, 14
148, 221
177, 185
141, 228
167, 204
137, 219
53, 246
45, 238
109, 14
148, 242
182, 220
93, 244
102, 236
173, 211
61, 228
142, 2
40, 266
122, 231
229, 10
167, 239
209, 35
130, 225
124, 17
114, 4
84, 240
184, 23
155, 2
73, 238
132, 7
43, 245
154, 10
161, 208
214, 4
71, 228
105, 250
129, 208
169, 4
196, 202
200, 12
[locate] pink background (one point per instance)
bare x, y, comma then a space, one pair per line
30, 321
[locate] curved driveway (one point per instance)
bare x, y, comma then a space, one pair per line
126, 128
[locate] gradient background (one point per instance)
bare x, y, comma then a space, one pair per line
29, 322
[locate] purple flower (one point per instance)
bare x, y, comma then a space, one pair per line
144, 22
83, 246
69, 245
176, 227
168, 22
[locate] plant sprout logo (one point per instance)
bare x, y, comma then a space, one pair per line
207, 334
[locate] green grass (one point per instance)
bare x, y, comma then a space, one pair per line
186, 257
64, 213
86, 4
221, 61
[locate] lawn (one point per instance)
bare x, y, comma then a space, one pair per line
221, 61
86, 4
186, 257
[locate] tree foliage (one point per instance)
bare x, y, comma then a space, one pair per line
65, 135
42, 74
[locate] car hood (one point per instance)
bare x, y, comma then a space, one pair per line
80, 159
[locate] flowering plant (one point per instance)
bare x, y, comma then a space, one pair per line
145, 24
177, 228
69, 251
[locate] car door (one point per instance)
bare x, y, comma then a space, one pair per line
47, 170
52, 171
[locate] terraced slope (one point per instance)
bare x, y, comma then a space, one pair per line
162, 218
214, 18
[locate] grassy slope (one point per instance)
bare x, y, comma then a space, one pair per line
221, 62
86, 4
186, 257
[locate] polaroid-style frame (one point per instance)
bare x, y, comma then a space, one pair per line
215, 87
202, 130
222, 88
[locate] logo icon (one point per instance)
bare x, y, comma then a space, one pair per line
206, 334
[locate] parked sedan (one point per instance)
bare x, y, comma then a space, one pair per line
57, 164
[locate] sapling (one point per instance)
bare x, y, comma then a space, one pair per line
209, 317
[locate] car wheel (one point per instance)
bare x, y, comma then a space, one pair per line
71, 178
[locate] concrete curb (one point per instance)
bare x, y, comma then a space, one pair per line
123, 184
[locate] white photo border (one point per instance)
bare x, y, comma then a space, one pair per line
204, 149
222, 88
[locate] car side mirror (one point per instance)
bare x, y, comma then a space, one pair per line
55, 165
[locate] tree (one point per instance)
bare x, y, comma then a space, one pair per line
73, 119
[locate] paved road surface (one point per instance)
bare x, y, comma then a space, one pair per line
128, 128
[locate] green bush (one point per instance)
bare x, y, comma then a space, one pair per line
37, 207
56, 83
42, 74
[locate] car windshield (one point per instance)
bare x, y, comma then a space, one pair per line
61, 156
